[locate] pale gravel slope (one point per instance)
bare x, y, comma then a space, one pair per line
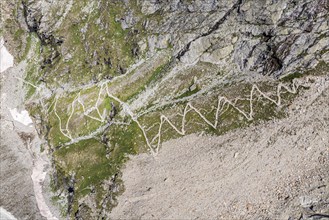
274, 170
16, 191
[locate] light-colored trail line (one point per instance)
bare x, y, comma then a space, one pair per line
222, 101
87, 112
66, 132
63, 131
154, 143
27, 82
68, 120
127, 110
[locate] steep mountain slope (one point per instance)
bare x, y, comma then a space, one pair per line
109, 79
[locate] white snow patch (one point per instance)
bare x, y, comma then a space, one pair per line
6, 59
5, 215
22, 117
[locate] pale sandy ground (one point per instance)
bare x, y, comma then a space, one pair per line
23, 168
275, 170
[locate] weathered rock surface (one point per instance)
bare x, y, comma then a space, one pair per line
269, 37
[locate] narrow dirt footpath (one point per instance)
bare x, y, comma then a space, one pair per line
276, 170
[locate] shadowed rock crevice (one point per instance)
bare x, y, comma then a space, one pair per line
33, 19
211, 29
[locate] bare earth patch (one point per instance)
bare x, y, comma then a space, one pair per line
278, 169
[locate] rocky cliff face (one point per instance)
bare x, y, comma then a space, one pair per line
270, 38
263, 37
114, 78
